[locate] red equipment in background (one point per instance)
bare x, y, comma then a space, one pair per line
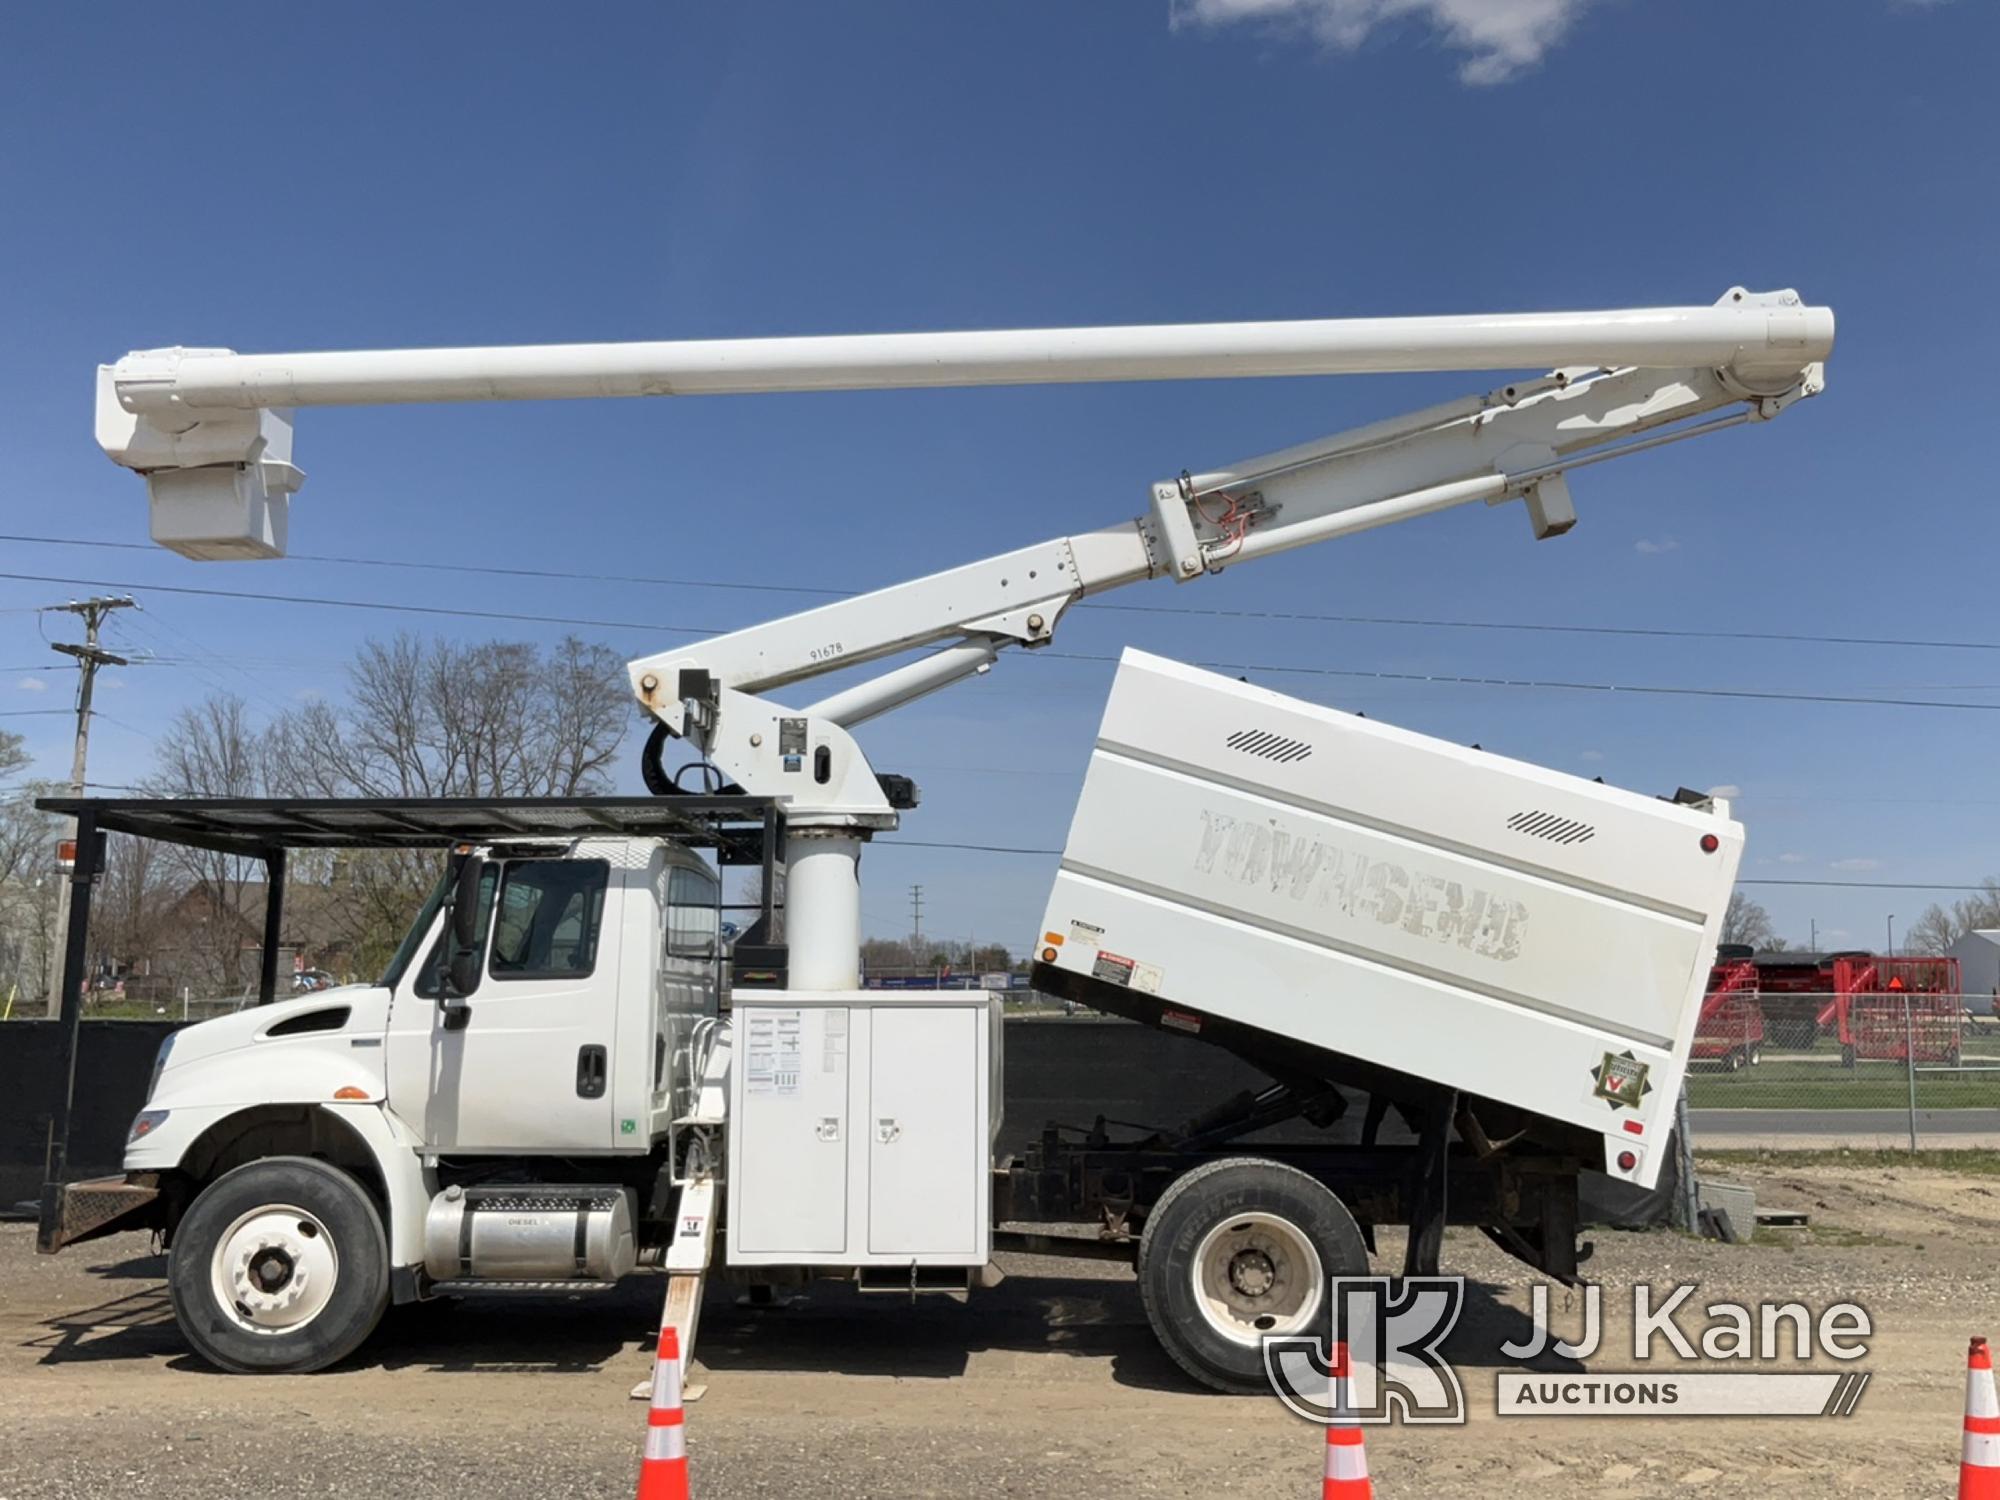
1898, 1009
1797, 996
1731, 1028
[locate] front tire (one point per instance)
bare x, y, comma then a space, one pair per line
1237, 1250
279, 1265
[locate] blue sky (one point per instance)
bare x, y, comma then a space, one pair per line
274, 178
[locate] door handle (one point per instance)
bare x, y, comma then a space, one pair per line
590, 1072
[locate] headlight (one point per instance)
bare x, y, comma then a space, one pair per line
144, 1124
159, 1064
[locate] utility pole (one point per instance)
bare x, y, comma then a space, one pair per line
1892, 934
916, 920
90, 656
1812, 943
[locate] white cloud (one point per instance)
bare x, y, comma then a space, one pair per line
1855, 864
1503, 37
1650, 548
113, 681
1727, 789
32, 685
1591, 755
1791, 859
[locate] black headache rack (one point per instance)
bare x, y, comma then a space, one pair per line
742, 830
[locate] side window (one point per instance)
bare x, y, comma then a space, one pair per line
693, 920
427, 976
546, 923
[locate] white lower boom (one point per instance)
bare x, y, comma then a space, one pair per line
1519, 443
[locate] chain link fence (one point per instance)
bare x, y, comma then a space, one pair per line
1931, 1059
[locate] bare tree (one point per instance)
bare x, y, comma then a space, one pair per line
1747, 922
1940, 926
211, 750
443, 719
27, 879
130, 911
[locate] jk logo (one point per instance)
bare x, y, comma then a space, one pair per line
1392, 1359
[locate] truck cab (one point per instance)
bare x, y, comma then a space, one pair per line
500, 1110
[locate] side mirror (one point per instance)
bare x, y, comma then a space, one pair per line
461, 959
465, 902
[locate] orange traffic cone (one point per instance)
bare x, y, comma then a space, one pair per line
1346, 1459
663, 1470
1979, 1463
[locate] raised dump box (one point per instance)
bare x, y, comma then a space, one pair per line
1271, 872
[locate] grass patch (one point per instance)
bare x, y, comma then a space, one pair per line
1814, 1079
1965, 1161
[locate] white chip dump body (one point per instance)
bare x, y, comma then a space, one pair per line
1511, 931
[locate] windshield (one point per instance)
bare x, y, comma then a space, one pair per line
408, 948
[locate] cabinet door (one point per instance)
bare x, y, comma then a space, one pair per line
925, 1167
790, 1192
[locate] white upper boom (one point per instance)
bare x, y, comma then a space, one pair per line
211, 429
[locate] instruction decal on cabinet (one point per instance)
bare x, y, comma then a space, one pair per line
772, 1052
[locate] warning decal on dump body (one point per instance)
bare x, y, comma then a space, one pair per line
1085, 934
1621, 1080
1180, 1020
1112, 969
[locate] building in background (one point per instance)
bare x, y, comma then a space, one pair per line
1978, 955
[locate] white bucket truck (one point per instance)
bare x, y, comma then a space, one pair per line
564, 1077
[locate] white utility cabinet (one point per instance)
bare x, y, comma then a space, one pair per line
861, 1127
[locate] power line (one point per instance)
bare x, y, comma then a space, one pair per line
486, 570
1738, 694
364, 604
1578, 687
1872, 885
1856, 885
1402, 621
1660, 632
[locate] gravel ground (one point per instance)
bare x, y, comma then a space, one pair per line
1050, 1384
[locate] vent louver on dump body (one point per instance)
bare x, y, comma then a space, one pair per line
1268, 746
1556, 830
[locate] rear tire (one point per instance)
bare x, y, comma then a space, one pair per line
279, 1265
1238, 1249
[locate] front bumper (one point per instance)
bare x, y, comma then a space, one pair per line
77, 1211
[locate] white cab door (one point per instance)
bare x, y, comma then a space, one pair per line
530, 1069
